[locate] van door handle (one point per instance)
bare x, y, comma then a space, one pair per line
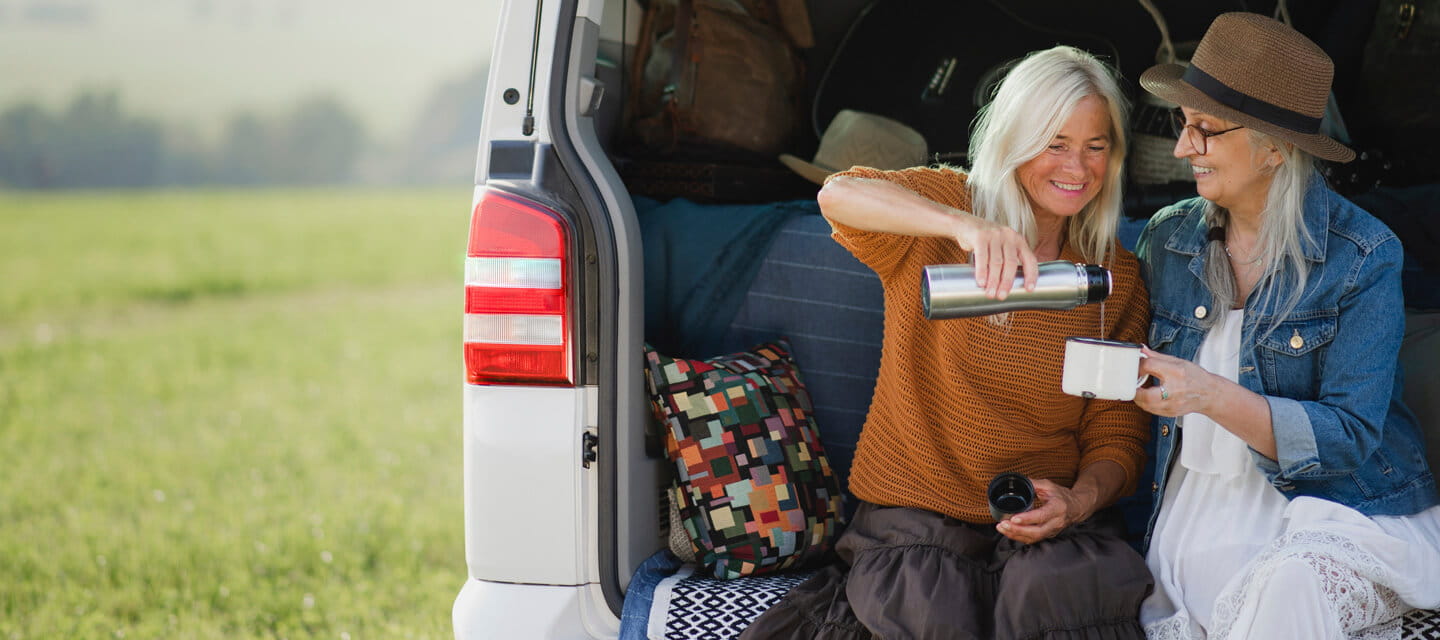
592, 91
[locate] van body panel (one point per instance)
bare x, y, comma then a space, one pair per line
515, 50
488, 610
523, 483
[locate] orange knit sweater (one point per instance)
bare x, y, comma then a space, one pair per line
959, 401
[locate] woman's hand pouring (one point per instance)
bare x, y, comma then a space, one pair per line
997, 251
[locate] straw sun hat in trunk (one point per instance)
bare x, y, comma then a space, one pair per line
856, 138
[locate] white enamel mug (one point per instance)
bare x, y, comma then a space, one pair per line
1098, 368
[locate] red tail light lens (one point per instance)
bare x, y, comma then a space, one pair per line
517, 309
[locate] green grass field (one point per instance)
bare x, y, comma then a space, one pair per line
230, 414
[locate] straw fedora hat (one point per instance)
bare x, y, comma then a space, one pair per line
1259, 73
859, 138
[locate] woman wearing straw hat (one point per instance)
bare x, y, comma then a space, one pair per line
959, 401
1299, 505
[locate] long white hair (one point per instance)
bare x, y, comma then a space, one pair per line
1280, 246
1030, 107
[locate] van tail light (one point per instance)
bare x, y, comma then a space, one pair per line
517, 306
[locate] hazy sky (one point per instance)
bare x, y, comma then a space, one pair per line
196, 61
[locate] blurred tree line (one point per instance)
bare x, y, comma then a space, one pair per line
95, 142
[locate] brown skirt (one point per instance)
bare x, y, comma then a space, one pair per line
911, 573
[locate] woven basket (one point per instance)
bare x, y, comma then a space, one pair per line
1152, 145
1151, 161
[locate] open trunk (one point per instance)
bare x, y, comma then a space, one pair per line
565, 480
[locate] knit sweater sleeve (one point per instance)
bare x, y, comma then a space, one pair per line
1111, 429
885, 252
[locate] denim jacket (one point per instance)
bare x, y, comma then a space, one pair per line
1329, 371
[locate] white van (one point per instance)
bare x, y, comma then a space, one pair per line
554, 522
564, 494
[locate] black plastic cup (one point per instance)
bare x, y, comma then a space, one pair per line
1010, 493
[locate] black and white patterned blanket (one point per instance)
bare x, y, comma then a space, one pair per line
691, 606
1421, 625
697, 606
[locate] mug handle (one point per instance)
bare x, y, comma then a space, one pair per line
1140, 382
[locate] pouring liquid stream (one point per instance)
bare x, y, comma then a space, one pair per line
1102, 319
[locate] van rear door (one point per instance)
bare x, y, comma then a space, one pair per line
553, 331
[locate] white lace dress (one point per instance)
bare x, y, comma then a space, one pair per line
1232, 558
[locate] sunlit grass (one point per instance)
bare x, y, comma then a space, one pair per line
264, 448
100, 249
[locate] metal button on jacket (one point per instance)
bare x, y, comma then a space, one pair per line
1296, 341
1200, 312
1164, 429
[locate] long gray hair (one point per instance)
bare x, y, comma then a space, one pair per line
1280, 246
1030, 107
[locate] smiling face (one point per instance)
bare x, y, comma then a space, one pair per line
1232, 173
1069, 173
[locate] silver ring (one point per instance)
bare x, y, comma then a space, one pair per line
1164, 393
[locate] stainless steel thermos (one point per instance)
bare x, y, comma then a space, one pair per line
949, 290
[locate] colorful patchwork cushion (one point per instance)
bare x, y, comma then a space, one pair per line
756, 493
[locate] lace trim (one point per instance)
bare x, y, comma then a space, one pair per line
1349, 576
1176, 627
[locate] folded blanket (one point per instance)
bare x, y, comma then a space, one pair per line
690, 605
699, 261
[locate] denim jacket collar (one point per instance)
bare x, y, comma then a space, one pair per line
1190, 237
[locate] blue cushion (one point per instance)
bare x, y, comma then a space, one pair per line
810, 290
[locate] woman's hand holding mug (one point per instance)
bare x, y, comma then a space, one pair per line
1180, 387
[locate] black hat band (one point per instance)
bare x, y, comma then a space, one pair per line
1248, 104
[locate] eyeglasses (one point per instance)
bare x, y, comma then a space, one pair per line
1198, 138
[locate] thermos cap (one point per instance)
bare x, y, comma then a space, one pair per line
1098, 283
1009, 493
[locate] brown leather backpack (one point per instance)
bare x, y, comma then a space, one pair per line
719, 74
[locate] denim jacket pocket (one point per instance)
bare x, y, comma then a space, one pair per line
1163, 332
1293, 355
1397, 463
1379, 478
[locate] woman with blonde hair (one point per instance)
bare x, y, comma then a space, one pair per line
959, 401
1299, 505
